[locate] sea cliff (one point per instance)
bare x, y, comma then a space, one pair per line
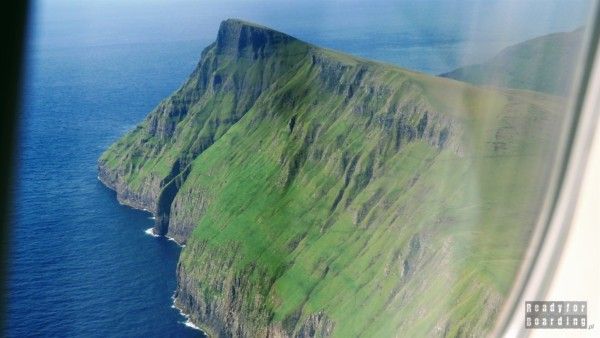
320, 194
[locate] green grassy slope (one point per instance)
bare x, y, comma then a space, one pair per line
144, 164
545, 64
350, 198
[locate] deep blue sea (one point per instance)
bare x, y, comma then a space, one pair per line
81, 264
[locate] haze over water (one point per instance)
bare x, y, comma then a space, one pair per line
81, 264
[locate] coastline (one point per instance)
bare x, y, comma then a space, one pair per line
188, 320
189, 323
137, 205
150, 232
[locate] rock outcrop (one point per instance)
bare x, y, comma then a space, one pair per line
320, 194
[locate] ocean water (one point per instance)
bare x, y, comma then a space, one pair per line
81, 264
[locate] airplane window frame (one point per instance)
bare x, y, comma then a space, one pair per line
554, 220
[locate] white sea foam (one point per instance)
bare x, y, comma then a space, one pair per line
174, 240
187, 322
150, 232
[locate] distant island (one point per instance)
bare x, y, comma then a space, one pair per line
323, 195
544, 64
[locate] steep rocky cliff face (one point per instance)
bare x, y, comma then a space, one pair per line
319, 194
146, 167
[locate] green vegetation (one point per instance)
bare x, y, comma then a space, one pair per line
329, 195
544, 64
